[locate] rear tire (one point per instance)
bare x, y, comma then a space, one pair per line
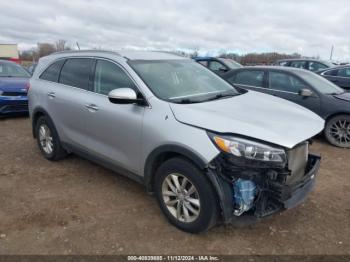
48, 140
337, 131
185, 196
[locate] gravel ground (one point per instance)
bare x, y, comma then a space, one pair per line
76, 207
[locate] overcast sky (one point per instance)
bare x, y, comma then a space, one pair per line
309, 27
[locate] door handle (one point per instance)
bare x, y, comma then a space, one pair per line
91, 107
51, 94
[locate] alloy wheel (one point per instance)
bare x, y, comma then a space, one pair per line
181, 197
46, 139
340, 132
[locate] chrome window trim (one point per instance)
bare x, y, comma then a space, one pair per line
268, 89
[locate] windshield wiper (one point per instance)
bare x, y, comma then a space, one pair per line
219, 96
186, 101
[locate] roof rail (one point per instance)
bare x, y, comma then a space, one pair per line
86, 51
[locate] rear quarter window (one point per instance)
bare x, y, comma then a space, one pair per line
53, 71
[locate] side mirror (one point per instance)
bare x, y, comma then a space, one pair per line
123, 95
305, 92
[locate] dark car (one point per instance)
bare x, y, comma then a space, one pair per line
313, 65
14, 84
338, 75
305, 88
218, 65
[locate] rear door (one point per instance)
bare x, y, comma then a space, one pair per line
114, 130
288, 86
68, 100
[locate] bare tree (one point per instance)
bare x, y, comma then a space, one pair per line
45, 49
61, 45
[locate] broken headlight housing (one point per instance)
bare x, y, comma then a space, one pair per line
250, 150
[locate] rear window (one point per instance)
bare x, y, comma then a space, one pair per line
76, 72
53, 71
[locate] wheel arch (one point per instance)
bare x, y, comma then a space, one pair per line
37, 113
163, 153
329, 117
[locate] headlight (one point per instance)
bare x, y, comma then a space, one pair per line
249, 149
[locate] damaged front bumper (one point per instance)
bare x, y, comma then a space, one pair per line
275, 192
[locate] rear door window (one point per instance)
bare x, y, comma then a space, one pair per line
248, 78
316, 66
284, 82
77, 72
216, 66
53, 71
298, 64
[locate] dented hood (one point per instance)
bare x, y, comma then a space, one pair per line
254, 115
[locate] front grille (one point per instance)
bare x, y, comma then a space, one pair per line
13, 94
297, 160
13, 108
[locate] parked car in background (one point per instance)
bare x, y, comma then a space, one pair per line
14, 84
313, 65
218, 65
149, 115
339, 75
305, 88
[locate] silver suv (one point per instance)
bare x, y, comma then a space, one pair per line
209, 152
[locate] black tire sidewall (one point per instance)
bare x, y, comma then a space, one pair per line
329, 123
209, 207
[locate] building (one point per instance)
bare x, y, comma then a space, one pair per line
9, 52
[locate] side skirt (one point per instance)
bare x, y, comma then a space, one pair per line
107, 164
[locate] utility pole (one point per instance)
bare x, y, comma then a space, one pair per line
330, 58
78, 46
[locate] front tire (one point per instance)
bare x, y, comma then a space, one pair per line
337, 131
48, 140
185, 196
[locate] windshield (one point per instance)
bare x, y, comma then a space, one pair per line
182, 81
231, 63
319, 83
8, 69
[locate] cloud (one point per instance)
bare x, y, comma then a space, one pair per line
310, 27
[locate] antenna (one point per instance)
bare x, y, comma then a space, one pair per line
78, 45
330, 58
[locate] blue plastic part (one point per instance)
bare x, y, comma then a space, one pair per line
244, 195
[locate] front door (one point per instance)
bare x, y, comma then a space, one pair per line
114, 129
288, 86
